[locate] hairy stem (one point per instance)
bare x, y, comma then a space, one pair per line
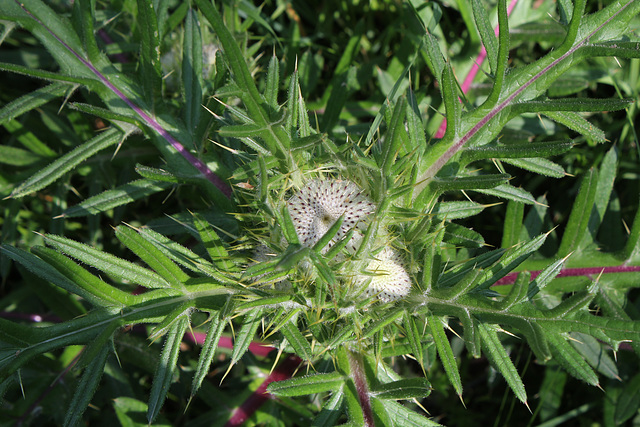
360, 380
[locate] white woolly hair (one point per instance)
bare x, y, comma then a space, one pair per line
385, 277
318, 205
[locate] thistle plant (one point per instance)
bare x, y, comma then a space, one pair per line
248, 207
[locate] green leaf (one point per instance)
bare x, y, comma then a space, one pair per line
462, 236
487, 35
545, 276
542, 166
580, 214
178, 312
166, 366
457, 183
309, 384
33, 100
570, 359
14, 156
506, 191
191, 69
119, 196
606, 178
67, 162
415, 126
453, 110
183, 256
297, 340
595, 353
330, 411
392, 142
151, 72
119, 119
208, 350
118, 268
250, 323
456, 210
385, 320
329, 235
576, 122
502, 55
94, 289
152, 256
500, 359
619, 49
273, 82
46, 75
414, 335
403, 416
445, 352
509, 261
516, 150
629, 400
570, 104
509, 192
87, 387
410, 388
45, 270
512, 224
212, 243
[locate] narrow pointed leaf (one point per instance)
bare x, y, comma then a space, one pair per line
166, 367
119, 196
297, 340
45, 270
509, 192
87, 386
151, 255
445, 352
192, 70
500, 359
512, 224
33, 100
410, 388
576, 122
517, 150
208, 351
112, 265
309, 384
400, 415
542, 166
580, 214
67, 162
100, 292
489, 40
250, 324
546, 276
331, 410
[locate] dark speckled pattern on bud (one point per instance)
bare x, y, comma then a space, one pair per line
318, 205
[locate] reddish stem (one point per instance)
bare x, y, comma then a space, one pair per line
284, 371
510, 278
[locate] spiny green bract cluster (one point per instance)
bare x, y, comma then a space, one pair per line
330, 217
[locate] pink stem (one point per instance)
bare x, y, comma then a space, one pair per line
284, 371
510, 278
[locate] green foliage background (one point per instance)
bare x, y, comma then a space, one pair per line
149, 148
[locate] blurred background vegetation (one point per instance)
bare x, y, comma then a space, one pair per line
349, 54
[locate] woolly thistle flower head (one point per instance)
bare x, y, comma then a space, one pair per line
385, 277
318, 205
